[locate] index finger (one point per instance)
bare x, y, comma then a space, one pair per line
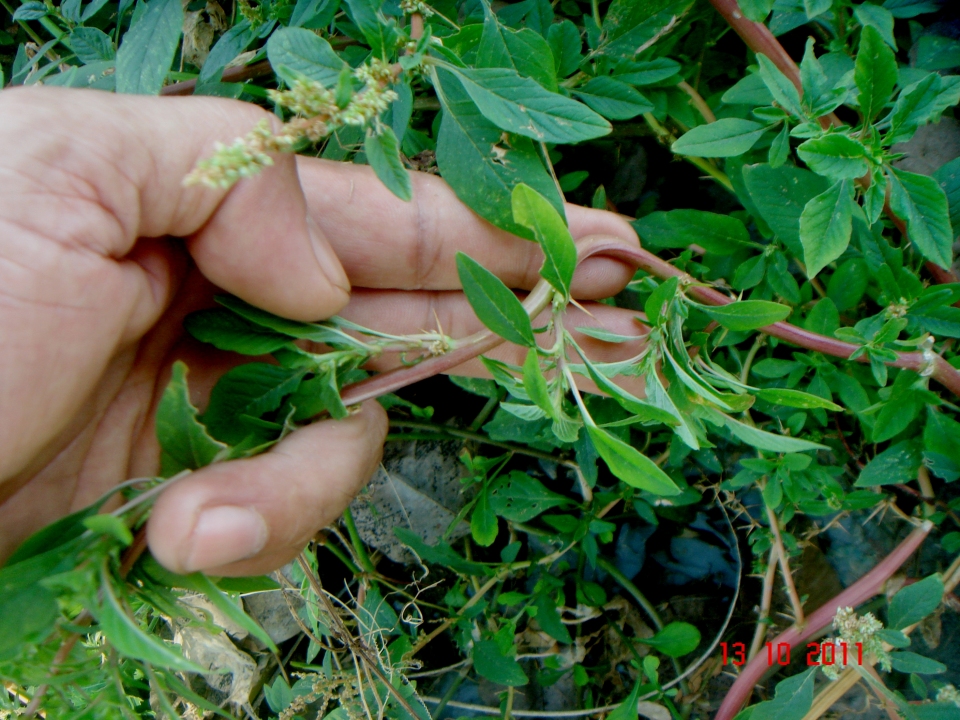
384, 242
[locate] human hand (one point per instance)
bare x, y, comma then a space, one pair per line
95, 286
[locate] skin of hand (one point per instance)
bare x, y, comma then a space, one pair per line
103, 252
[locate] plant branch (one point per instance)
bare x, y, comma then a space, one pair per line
795, 602
696, 99
766, 600
865, 588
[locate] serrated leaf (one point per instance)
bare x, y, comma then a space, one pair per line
914, 602
826, 224
148, 48
715, 233
383, 154
520, 105
524, 51
836, 156
533, 211
922, 204
875, 73
481, 166
184, 441
613, 99
305, 53
797, 399
763, 440
493, 302
629, 464
747, 314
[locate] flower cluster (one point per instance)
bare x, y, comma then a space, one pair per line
316, 116
949, 693
855, 630
410, 7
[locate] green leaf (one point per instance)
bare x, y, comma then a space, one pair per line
756, 10
715, 233
483, 522
524, 51
908, 662
793, 699
922, 103
875, 73
106, 524
549, 619
914, 602
640, 408
613, 99
780, 195
383, 154
748, 90
649, 72
826, 224
32, 10
675, 640
517, 104
233, 42
440, 554
250, 390
493, 302
535, 384
518, 497
763, 440
879, 18
627, 710
125, 635
837, 156
724, 138
27, 615
533, 211
897, 464
629, 464
941, 445
922, 204
948, 176
657, 305
495, 666
380, 33
911, 8
565, 43
304, 53
780, 148
184, 441
313, 13
747, 314
783, 90
797, 399
631, 26
91, 44
481, 165
228, 331
148, 48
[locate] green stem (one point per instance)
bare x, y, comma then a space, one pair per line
342, 557
358, 547
485, 413
634, 591
595, 5
451, 691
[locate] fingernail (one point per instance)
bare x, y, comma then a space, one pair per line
224, 535
329, 262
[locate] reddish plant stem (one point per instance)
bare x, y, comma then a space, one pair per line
943, 372
862, 590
